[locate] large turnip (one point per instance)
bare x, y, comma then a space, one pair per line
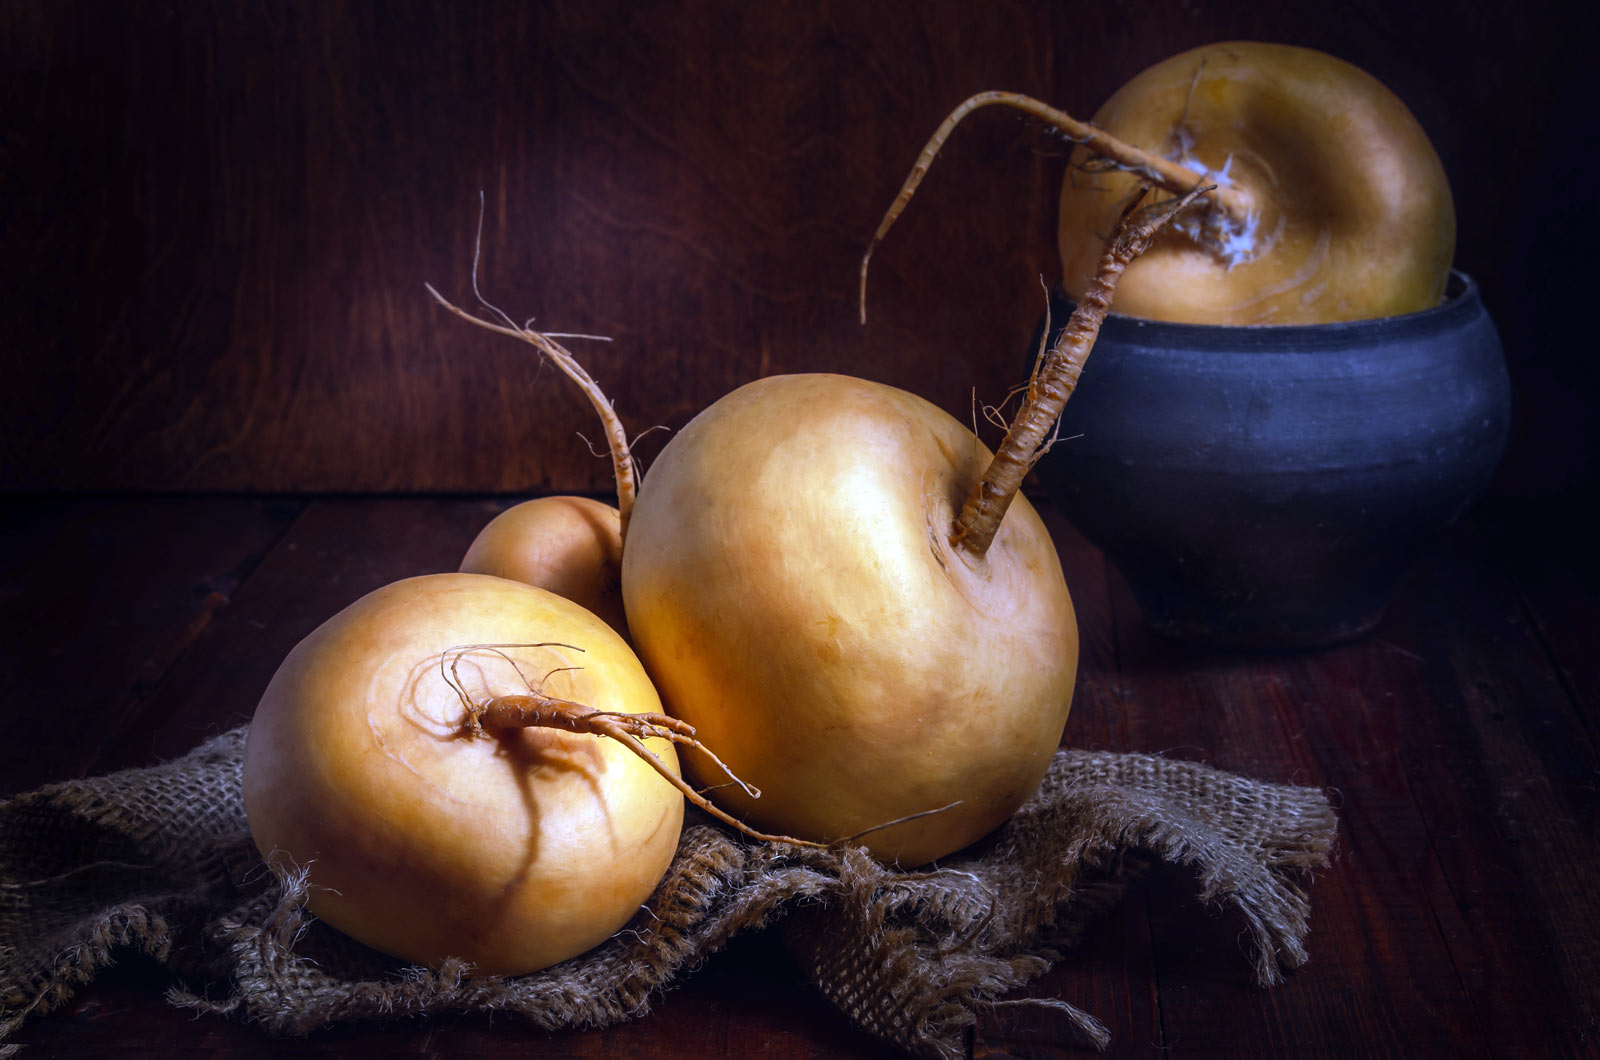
843, 591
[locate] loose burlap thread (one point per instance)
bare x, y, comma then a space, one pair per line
160, 861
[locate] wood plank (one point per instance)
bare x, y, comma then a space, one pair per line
1546, 547
1381, 981
700, 189
1503, 770
100, 598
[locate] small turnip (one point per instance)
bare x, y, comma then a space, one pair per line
571, 546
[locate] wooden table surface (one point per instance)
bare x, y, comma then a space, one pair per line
1459, 742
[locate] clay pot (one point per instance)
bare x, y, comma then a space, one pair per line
1267, 487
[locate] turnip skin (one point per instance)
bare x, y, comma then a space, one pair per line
1354, 211
571, 546
512, 851
791, 587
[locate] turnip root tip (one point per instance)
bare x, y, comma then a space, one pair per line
1232, 205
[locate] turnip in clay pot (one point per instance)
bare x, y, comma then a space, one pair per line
1331, 202
1296, 394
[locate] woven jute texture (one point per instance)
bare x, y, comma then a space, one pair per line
160, 861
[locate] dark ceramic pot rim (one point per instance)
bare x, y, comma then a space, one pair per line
1460, 300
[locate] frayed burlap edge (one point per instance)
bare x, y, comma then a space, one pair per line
160, 861
914, 958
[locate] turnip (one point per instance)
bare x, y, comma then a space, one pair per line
842, 590
1331, 202
571, 546
469, 766
455, 789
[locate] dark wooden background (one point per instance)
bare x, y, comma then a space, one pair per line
227, 408
218, 216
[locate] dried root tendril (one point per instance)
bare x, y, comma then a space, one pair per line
1112, 153
1034, 429
450, 665
622, 464
624, 469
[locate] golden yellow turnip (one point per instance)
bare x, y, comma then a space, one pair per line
571, 546
793, 589
1329, 202
849, 597
1344, 209
428, 837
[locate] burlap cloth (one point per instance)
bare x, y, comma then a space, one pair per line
160, 860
